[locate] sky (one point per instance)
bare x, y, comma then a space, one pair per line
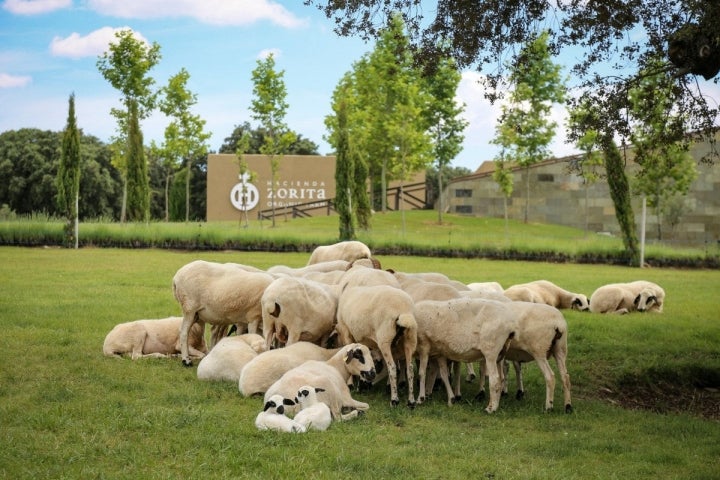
49, 50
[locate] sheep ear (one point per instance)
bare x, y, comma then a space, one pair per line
318, 389
287, 401
349, 356
390, 270
637, 300
268, 405
652, 299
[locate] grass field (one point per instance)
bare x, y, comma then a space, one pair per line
68, 412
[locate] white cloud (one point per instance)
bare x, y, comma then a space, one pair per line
91, 45
12, 81
275, 52
34, 7
214, 12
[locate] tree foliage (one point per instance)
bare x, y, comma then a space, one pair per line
68, 178
138, 181
256, 139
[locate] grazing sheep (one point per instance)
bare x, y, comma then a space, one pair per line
322, 267
378, 316
332, 376
227, 359
295, 309
349, 250
218, 294
263, 370
541, 333
361, 276
543, 291
314, 414
273, 416
429, 277
621, 298
464, 330
153, 338
486, 287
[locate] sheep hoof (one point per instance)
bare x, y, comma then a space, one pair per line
568, 408
410, 404
457, 399
480, 397
520, 395
394, 403
187, 362
470, 378
420, 400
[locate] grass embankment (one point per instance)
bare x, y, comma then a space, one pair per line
397, 233
68, 412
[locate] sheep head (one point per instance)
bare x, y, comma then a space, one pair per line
358, 361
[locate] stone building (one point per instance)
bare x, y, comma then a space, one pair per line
559, 196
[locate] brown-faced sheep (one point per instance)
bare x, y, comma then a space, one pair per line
218, 294
543, 291
153, 338
621, 298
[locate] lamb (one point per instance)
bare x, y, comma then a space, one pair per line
263, 370
543, 291
153, 338
218, 294
377, 316
295, 309
542, 333
349, 250
332, 376
622, 298
227, 359
464, 330
313, 414
273, 416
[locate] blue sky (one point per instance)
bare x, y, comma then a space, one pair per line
49, 49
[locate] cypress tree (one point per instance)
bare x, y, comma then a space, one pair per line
344, 170
68, 177
138, 182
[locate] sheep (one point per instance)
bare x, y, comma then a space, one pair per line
359, 275
543, 291
263, 370
464, 330
313, 414
295, 309
622, 298
273, 416
332, 376
429, 277
153, 338
227, 359
322, 267
541, 333
377, 316
349, 250
218, 294
486, 287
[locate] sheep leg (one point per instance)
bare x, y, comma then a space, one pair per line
422, 373
481, 392
386, 352
549, 381
560, 356
445, 377
495, 383
470, 372
410, 347
456, 391
520, 394
187, 323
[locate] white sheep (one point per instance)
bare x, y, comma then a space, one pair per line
378, 316
464, 330
218, 294
273, 416
359, 275
435, 277
263, 370
313, 414
226, 359
153, 338
295, 309
321, 267
349, 250
622, 298
495, 287
541, 333
543, 291
332, 376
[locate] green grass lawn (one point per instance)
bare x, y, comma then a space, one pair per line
68, 412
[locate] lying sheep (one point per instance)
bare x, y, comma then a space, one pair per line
543, 291
313, 414
349, 250
153, 338
541, 333
378, 316
218, 294
265, 369
464, 330
332, 376
621, 298
227, 359
273, 416
295, 309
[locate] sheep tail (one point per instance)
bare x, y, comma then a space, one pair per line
406, 325
558, 336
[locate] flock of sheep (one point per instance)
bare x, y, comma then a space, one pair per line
385, 322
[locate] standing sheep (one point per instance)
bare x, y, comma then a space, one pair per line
227, 359
349, 250
543, 291
218, 294
621, 298
153, 338
377, 316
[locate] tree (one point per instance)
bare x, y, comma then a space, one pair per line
344, 173
68, 178
666, 167
444, 120
269, 108
525, 130
126, 65
301, 145
245, 174
138, 182
185, 137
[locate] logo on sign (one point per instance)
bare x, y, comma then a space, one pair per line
244, 196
